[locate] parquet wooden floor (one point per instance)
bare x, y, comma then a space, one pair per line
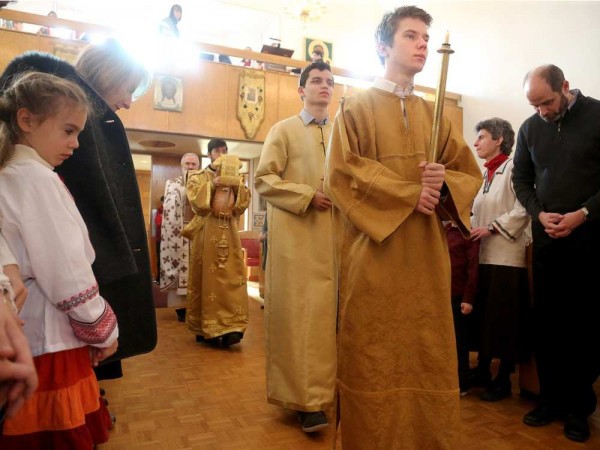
186, 395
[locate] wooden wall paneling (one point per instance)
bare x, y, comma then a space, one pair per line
14, 43
338, 93
272, 102
289, 100
204, 102
143, 116
455, 115
143, 179
54, 45
163, 168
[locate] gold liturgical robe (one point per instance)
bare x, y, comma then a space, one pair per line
217, 293
397, 370
300, 289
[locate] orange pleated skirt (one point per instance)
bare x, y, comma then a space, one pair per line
66, 412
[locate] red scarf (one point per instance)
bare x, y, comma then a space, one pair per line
493, 164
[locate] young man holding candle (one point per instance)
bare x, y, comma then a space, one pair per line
397, 374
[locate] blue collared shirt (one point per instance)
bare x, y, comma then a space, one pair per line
309, 118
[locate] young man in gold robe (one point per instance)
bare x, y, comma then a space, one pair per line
397, 370
217, 296
301, 291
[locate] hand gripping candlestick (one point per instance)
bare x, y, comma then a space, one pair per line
446, 51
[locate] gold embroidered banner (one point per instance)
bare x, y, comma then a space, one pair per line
251, 101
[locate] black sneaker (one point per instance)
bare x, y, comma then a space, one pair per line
232, 338
577, 428
542, 415
312, 421
213, 342
496, 392
180, 314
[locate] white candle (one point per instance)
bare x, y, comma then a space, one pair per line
447, 40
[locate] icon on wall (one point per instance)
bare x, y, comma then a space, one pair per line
168, 93
258, 220
311, 45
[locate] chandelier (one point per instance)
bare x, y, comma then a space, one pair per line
306, 10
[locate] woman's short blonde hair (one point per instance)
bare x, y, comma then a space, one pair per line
108, 65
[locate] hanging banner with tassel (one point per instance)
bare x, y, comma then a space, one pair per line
251, 101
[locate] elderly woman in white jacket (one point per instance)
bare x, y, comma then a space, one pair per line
502, 303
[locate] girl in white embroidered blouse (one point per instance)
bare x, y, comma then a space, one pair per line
69, 326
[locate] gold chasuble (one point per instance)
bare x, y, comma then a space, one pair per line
301, 282
217, 293
397, 370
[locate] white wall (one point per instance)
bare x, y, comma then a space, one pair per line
496, 43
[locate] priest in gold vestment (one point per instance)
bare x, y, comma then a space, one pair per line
397, 369
301, 289
217, 306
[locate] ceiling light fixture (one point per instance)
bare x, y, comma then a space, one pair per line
306, 10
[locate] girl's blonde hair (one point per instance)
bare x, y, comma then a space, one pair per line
43, 95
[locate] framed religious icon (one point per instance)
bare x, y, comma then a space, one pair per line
168, 93
258, 220
313, 45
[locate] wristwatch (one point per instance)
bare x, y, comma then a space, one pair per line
585, 212
491, 228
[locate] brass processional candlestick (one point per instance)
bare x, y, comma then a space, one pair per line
438, 111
